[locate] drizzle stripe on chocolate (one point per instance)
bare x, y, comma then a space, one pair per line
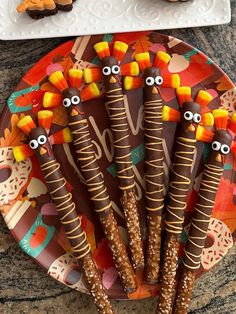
202, 214
119, 127
88, 164
125, 174
154, 193
65, 207
154, 170
179, 184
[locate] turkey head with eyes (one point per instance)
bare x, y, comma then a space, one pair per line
190, 117
111, 72
72, 103
220, 147
152, 82
39, 143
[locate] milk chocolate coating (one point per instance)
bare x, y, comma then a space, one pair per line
61, 197
125, 174
38, 14
97, 189
154, 174
212, 173
71, 221
180, 176
178, 189
153, 129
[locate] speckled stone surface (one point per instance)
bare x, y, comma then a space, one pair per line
24, 286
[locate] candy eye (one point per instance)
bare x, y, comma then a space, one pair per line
115, 69
33, 144
158, 80
106, 71
216, 145
66, 102
75, 100
225, 149
149, 81
42, 139
188, 115
197, 117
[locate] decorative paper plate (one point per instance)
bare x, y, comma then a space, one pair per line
25, 203
102, 16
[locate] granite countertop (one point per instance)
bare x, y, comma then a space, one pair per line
24, 286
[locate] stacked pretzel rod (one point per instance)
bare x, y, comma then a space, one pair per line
39, 143
152, 81
72, 100
179, 186
111, 74
212, 172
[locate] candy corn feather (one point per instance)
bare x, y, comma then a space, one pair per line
26, 124
232, 123
207, 119
204, 135
75, 77
183, 94
58, 80
92, 75
161, 60
102, 49
119, 50
203, 98
51, 100
22, 152
170, 114
143, 60
220, 118
132, 82
44, 119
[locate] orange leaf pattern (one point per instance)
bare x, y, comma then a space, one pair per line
12, 137
141, 45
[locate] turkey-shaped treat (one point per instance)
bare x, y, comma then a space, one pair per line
212, 172
111, 71
40, 144
152, 81
38, 9
72, 99
190, 131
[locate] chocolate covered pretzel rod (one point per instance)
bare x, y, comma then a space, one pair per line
40, 144
151, 81
72, 99
212, 173
178, 188
111, 72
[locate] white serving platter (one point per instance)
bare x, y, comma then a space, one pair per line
110, 16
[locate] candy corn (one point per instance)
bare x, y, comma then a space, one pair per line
58, 80
26, 124
102, 49
143, 60
119, 50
